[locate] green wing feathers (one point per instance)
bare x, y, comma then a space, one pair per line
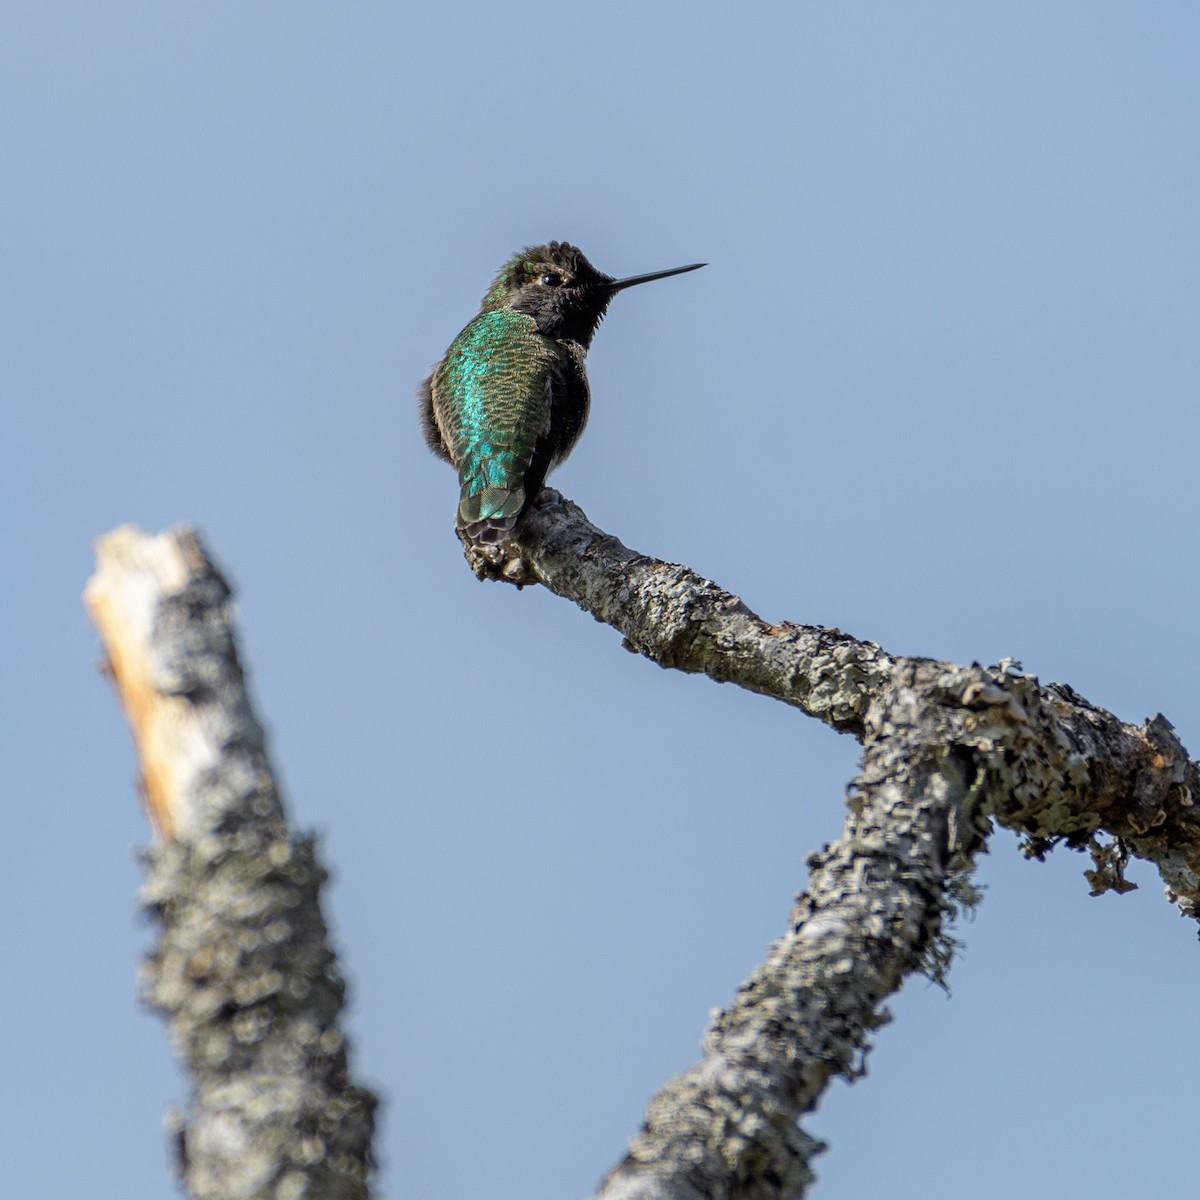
491, 403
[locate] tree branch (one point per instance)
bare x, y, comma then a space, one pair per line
242, 969
947, 749
1044, 761
250, 989
872, 914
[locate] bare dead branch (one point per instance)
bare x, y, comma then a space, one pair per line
947, 751
242, 969
1044, 762
873, 914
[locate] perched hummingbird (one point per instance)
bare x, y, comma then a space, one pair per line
510, 399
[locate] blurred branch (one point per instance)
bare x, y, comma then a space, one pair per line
242, 969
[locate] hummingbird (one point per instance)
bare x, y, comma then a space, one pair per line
510, 398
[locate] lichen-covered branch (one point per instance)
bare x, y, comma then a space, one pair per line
1049, 765
947, 750
245, 977
242, 969
679, 619
872, 914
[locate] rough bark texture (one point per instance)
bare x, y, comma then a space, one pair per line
243, 972
1044, 761
872, 915
242, 969
947, 750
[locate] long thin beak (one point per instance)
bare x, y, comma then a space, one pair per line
619, 285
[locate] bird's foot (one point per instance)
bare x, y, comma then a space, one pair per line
503, 563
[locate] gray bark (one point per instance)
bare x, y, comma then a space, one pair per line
948, 750
242, 969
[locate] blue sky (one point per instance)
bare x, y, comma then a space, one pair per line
938, 387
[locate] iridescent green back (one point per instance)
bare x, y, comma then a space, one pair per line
492, 404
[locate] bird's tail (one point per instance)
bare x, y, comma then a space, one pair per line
487, 517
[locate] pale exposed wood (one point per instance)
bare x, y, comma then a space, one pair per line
133, 573
242, 969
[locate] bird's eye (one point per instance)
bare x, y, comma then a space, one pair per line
551, 279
